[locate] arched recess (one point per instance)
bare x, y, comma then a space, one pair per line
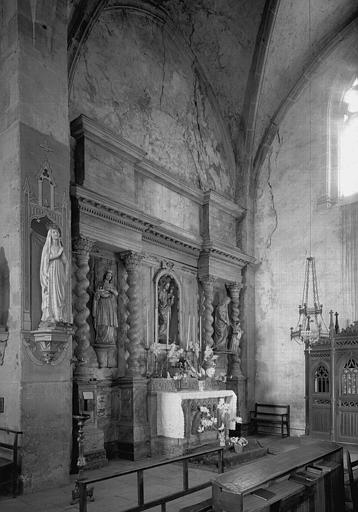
324, 48
168, 297
184, 103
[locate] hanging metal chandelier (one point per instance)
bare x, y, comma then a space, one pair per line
310, 327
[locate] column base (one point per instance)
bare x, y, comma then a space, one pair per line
134, 438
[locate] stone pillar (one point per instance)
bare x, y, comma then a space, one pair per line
136, 366
134, 438
208, 289
237, 380
134, 434
84, 350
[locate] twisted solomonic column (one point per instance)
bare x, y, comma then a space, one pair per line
235, 348
84, 350
135, 361
208, 289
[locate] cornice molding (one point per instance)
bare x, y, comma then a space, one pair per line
227, 254
211, 197
83, 126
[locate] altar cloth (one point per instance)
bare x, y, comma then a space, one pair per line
170, 415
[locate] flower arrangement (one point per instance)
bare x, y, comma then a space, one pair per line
176, 354
207, 420
240, 441
210, 422
155, 348
225, 413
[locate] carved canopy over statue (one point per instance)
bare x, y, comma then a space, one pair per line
53, 278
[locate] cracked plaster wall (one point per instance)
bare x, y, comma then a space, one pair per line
133, 78
289, 194
222, 36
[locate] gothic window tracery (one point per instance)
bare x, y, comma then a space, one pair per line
321, 379
350, 377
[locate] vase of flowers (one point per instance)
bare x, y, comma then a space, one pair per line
238, 443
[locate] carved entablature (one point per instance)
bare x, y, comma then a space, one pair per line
351, 330
133, 203
320, 354
346, 341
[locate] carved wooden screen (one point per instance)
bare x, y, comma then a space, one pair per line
319, 397
347, 410
350, 377
321, 380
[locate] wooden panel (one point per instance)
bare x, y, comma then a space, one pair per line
348, 424
321, 419
234, 491
262, 470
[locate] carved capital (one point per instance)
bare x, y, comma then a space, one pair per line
208, 281
234, 291
132, 260
82, 245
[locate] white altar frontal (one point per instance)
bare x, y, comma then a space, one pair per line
175, 413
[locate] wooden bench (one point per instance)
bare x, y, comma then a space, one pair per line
271, 415
352, 483
9, 461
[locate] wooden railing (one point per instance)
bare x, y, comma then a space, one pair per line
83, 484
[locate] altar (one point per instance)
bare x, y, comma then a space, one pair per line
178, 416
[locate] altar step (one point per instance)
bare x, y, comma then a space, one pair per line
253, 450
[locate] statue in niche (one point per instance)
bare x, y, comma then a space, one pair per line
235, 338
53, 278
221, 324
166, 298
105, 311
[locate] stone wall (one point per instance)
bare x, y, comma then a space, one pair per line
149, 92
291, 209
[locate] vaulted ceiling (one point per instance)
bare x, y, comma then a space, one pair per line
255, 53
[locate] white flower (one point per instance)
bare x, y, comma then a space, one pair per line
155, 348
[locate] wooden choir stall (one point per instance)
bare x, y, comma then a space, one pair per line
332, 384
309, 478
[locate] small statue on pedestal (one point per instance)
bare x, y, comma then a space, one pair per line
53, 278
105, 311
105, 316
221, 325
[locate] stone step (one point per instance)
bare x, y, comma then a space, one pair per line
203, 506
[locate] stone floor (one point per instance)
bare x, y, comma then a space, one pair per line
120, 494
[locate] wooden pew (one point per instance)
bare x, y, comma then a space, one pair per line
9, 459
306, 478
271, 415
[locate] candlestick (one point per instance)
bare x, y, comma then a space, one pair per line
187, 338
168, 320
147, 330
156, 325
200, 332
